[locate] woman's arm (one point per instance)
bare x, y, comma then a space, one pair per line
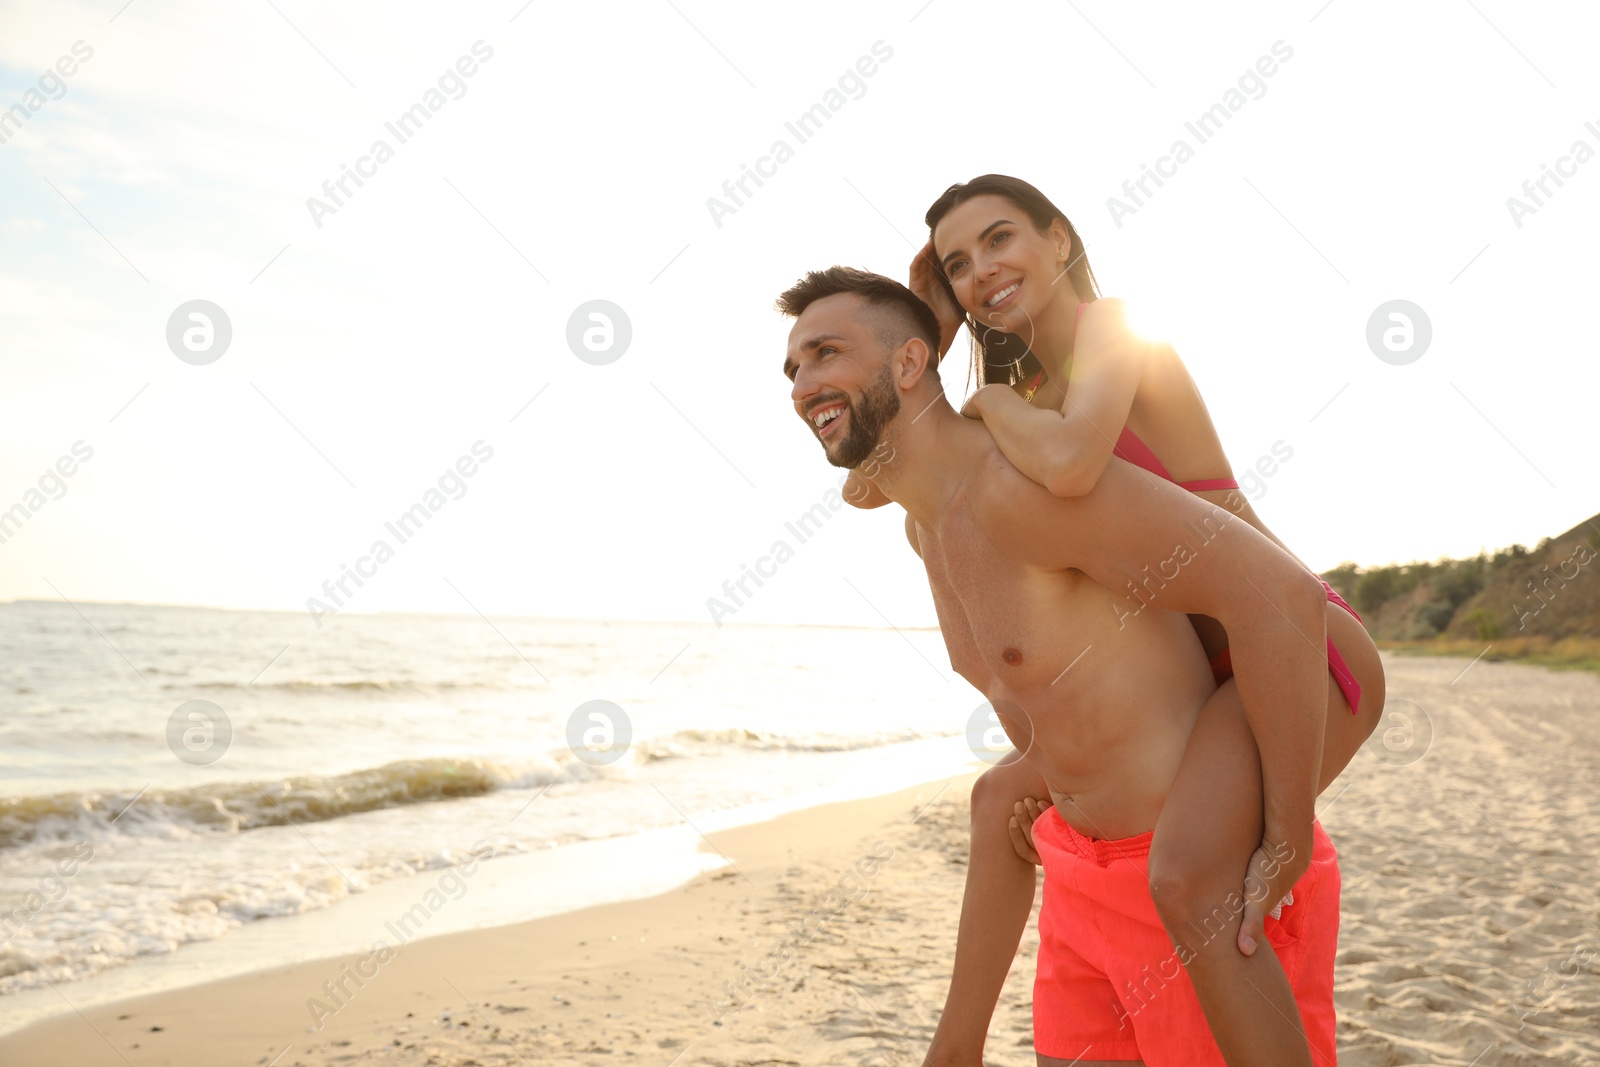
1066, 451
924, 281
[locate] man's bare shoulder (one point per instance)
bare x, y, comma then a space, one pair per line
1013, 509
1126, 507
996, 482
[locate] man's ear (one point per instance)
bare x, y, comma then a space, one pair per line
911, 362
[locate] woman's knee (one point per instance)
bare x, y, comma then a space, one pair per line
1188, 886
998, 791
990, 794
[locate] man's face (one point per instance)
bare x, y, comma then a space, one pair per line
842, 378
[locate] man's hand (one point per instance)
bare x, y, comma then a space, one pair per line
925, 283
1276, 866
1028, 811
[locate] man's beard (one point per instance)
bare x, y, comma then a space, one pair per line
879, 404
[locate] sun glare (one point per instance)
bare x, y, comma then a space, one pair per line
1147, 322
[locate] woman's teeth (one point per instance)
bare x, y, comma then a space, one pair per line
1002, 294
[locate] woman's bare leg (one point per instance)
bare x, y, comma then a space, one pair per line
1209, 827
994, 912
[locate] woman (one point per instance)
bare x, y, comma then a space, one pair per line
1064, 386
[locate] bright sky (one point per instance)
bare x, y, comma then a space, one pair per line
373, 345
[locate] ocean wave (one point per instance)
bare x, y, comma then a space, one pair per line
686, 743
355, 685
46, 944
235, 807
238, 807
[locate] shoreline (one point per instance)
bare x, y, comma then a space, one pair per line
509, 888
431, 985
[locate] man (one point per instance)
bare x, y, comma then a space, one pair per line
1101, 697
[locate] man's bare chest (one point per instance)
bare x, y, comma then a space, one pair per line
1004, 621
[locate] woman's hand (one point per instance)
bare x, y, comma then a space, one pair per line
982, 401
1028, 811
1276, 866
925, 283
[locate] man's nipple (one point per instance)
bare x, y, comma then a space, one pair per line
1012, 656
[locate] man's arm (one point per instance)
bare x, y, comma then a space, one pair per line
1134, 531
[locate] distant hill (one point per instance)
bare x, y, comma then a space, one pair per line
1541, 603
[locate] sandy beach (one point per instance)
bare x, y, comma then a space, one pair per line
1468, 834
516, 520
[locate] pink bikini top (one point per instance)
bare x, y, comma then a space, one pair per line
1131, 448
1135, 451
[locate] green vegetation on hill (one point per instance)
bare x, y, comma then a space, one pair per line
1541, 604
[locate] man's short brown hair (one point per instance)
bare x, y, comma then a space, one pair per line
897, 313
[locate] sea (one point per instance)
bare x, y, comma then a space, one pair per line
188, 793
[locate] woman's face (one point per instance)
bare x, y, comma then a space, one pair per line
1004, 272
